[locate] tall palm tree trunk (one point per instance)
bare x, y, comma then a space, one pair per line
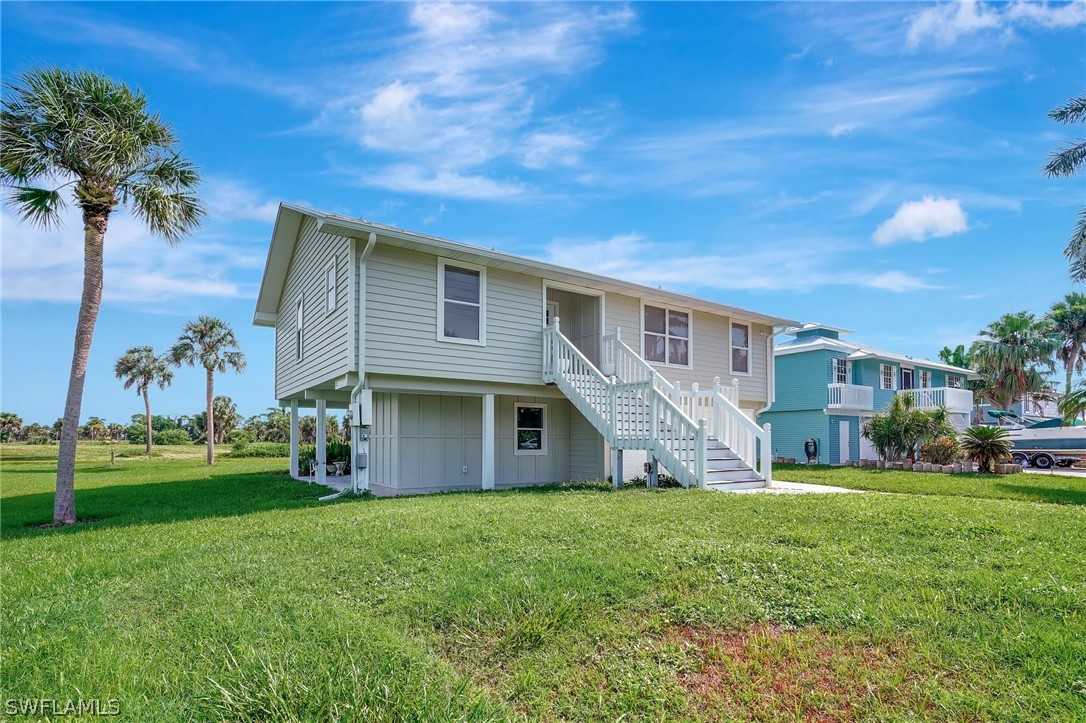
95, 222
147, 414
209, 426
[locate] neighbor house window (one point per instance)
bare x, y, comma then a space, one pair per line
740, 348
925, 379
298, 331
461, 302
667, 336
330, 288
954, 382
531, 432
887, 376
840, 371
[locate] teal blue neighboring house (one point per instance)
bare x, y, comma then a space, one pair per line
826, 387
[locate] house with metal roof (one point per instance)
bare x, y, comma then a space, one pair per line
826, 386
463, 367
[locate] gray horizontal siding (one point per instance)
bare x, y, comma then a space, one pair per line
325, 353
711, 346
401, 323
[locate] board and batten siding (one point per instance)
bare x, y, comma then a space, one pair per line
433, 442
324, 336
792, 429
803, 380
711, 346
401, 323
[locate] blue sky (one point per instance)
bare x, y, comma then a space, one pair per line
874, 166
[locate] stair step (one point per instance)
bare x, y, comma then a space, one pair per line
731, 486
731, 475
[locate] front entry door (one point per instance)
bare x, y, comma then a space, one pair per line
552, 312
906, 378
842, 443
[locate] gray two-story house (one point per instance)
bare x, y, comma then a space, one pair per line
463, 367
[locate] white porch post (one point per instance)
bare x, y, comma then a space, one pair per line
322, 442
488, 442
294, 439
616, 467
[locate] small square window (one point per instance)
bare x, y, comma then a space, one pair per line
667, 336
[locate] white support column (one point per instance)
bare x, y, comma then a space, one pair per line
294, 439
616, 468
322, 442
488, 441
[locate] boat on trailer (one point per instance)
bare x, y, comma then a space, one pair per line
1043, 442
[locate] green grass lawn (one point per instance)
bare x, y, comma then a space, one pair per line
1061, 489
234, 595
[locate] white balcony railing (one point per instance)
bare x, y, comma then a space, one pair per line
958, 401
851, 396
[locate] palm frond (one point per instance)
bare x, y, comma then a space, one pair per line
1066, 160
1073, 111
39, 206
1076, 248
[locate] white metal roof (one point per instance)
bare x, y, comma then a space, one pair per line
859, 351
289, 220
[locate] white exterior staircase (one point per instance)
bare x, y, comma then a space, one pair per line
701, 438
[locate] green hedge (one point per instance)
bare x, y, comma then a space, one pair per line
262, 449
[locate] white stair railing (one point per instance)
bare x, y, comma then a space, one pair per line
634, 407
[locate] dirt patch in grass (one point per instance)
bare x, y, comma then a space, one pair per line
767, 673
59, 525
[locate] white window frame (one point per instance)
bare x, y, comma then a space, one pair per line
750, 347
299, 330
841, 362
441, 264
883, 369
925, 379
957, 383
517, 406
331, 290
667, 348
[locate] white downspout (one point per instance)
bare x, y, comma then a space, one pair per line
360, 478
770, 377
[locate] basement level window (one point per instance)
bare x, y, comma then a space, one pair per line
531, 429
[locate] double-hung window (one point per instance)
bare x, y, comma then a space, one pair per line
330, 288
925, 379
298, 330
954, 382
531, 431
461, 302
887, 377
840, 370
740, 348
667, 336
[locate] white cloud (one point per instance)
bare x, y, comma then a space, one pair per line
920, 220
771, 267
945, 23
842, 129
550, 149
40, 265
406, 178
230, 200
896, 281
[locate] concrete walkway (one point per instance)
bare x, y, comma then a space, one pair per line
781, 487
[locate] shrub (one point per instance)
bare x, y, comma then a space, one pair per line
987, 446
136, 434
171, 436
238, 437
262, 450
941, 451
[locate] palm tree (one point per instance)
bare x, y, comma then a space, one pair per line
956, 357
141, 368
987, 446
86, 132
1067, 318
1014, 353
898, 431
11, 426
1067, 161
210, 343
